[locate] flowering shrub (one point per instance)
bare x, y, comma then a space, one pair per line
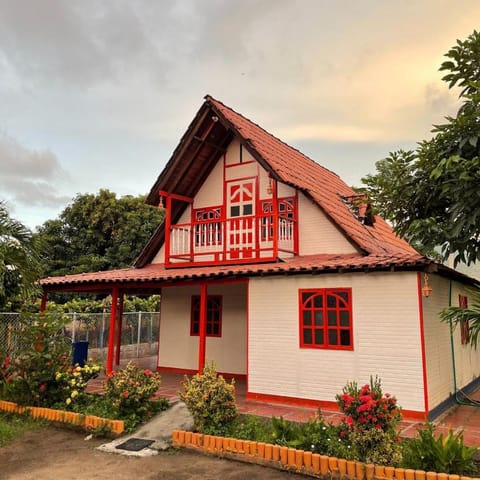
211, 400
72, 382
27, 374
367, 407
369, 423
129, 391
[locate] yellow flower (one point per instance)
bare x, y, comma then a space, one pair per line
74, 394
76, 374
58, 376
68, 401
72, 382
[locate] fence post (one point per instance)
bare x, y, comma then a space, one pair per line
102, 333
74, 318
139, 332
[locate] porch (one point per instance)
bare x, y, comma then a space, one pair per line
458, 418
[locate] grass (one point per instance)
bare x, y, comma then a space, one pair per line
14, 426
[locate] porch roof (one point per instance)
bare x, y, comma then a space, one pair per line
156, 274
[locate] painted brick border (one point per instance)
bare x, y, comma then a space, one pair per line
299, 461
50, 414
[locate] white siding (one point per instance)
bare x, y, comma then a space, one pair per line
317, 234
438, 347
180, 350
211, 192
386, 338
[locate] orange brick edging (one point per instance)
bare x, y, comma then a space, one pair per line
307, 463
86, 421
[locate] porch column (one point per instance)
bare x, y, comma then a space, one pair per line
202, 327
119, 328
111, 333
168, 220
43, 304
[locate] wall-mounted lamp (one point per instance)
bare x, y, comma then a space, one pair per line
215, 118
160, 204
270, 186
426, 289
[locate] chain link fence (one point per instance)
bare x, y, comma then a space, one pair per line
140, 332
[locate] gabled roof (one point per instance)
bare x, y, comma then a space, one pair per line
208, 136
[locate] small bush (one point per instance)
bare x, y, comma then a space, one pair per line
370, 423
439, 454
73, 382
211, 400
27, 374
129, 391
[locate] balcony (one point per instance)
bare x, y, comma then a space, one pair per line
248, 239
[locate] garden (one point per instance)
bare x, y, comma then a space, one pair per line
38, 374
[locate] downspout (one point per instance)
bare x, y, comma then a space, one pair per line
456, 393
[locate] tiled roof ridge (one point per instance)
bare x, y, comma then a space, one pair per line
318, 165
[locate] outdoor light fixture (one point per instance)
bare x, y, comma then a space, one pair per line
270, 186
426, 289
160, 204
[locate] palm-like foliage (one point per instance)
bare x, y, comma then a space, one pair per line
469, 316
19, 263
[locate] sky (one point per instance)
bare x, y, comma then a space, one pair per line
97, 94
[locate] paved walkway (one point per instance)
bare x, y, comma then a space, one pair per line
460, 417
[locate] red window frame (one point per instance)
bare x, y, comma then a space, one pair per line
325, 318
464, 324
286, 209
214, 316
208, 226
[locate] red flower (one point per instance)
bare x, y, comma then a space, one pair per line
6, 362
148, 372
42, 387
125, 394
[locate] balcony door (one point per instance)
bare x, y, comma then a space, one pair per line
241, 239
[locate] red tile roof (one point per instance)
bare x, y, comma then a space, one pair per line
306, 264
323, 186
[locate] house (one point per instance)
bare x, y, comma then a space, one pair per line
270, 265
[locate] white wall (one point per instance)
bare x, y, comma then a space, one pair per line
386, 332
180, 350
317, 234
438, 345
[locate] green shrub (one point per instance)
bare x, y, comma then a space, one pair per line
251, 427
73, 382
27, 374
439, 454
130, 390
370, 423
211, 400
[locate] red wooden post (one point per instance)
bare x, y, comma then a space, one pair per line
168, 219
119, 328
111, 333
276, 222
202, 327
43, 305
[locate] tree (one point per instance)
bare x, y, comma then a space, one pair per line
431, 194
19, 264
97, 232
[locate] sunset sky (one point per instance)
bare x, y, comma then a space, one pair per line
96, 94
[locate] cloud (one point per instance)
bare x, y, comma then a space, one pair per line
28, 176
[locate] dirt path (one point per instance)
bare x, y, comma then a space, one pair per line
55, 454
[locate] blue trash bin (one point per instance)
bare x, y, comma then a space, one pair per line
80, 353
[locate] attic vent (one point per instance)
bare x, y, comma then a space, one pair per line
361, 208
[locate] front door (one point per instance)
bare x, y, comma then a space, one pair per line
241, 219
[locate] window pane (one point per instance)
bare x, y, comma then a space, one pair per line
247, 209
319, 337
344, 319
235, 211
195, 328
318, 301
209, 328
331, 301
344, 296
318, 318
306, 298
345, 338
333, 337
332, 317
307, 317
307, 336
215, 329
